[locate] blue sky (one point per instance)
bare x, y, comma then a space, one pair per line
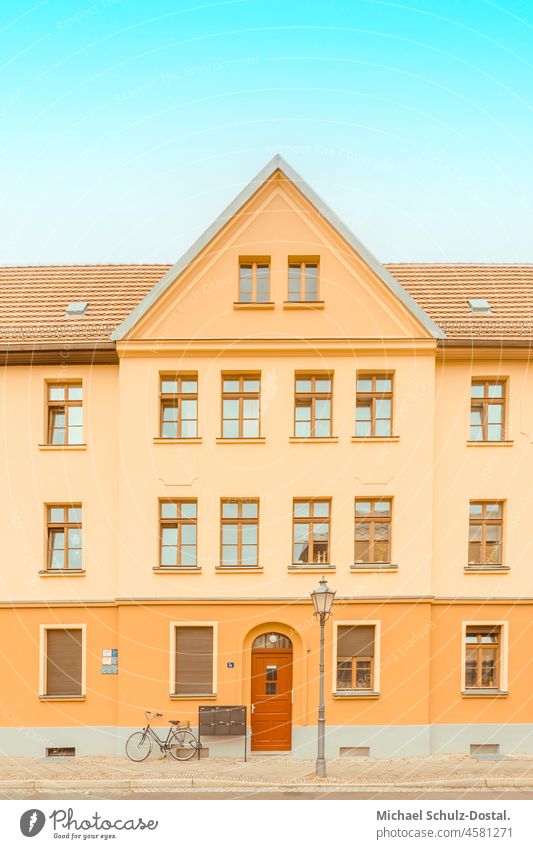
127, 126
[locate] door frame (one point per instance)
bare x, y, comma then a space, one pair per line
257, 632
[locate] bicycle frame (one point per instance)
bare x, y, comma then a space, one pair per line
148, 731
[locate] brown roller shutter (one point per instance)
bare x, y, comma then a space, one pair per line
63, 662
355, 641
194, 660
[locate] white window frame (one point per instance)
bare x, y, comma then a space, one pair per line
377, 656
43, 629
503, 625
172, 658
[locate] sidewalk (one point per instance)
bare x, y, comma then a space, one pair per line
444, 772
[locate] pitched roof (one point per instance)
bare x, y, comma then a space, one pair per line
277, 163
443, 290
33, 299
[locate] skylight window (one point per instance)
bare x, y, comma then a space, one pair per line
479, 306
76, 309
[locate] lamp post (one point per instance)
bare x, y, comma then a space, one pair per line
322, 601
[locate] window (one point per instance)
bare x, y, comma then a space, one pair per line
194, 667
239, 532
177, 533
178, 406
64, 532
63, 661
373, 413
372, 530
303, 280
487, 411
355, 657
254, 283
485, 533
65, 413
312, 405
311, 521
240, 406
482, 657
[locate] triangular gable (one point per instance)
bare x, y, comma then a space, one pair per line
276, 164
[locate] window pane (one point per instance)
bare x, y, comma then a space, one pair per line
75, 415
230, 534
363, 429
344, 674
383, 427
169, 386
74, 537
364, 412
477, 390
188, 555
251, 386
249, 509
495, 412
57, 393
323, 409
188, 510
231, 409
189, 386
169, 510
250, 428
364, 384
495, 390
303, 411
383, 385
189, 429
321, 508
322, 427
475, 533
74, 514
301, 532
476, 510
249, 555
300, 552
302, 429
495, 433
303, 385
251, 408
230, 509
323, 385
383, 409
188, 409
57, 514
75, 436
320, 531
302, 508
363, 679
188, 534
75, 393
231, 385
169, 556
382, 508
362, 508
169, 536
249, 534
230, 429
229, 555
74, 558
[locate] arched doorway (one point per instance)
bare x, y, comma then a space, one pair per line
271, 693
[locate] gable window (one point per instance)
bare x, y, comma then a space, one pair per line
312, 405
239, 532
485, 533
194, 649
64, 534
178, 393
311, 531
63, 661
373, 414
482, 657
355, 657
372, 530
254, 281
177, 533
303, 279
65, 413
487, 411
240, 406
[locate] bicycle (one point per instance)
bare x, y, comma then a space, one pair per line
181, 743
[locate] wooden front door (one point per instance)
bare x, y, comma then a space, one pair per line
271, 700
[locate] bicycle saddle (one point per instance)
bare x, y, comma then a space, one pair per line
174, 721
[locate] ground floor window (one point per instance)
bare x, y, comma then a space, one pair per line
482, 657
355, 657
63, 661
194, 649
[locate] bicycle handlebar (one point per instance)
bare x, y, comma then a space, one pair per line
152, 714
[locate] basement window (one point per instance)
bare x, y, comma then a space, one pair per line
61, 752
76, 309
354, 751
484, 749
479, 306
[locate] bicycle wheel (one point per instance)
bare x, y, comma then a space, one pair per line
138, 746
183, 745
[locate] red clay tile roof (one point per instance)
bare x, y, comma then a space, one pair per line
33, 299
443, 292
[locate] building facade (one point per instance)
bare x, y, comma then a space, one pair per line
187, 450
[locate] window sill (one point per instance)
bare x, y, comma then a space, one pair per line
474, 443
176, 569
374, 567
375, 438
196, 696
311, 567
246, 440
484, 694
81, 447
187, 440
356, 694
61, 573
316, 440
233, 569
44, 698
250, 305
488, 570
303, 305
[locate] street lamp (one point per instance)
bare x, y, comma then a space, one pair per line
322, 601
